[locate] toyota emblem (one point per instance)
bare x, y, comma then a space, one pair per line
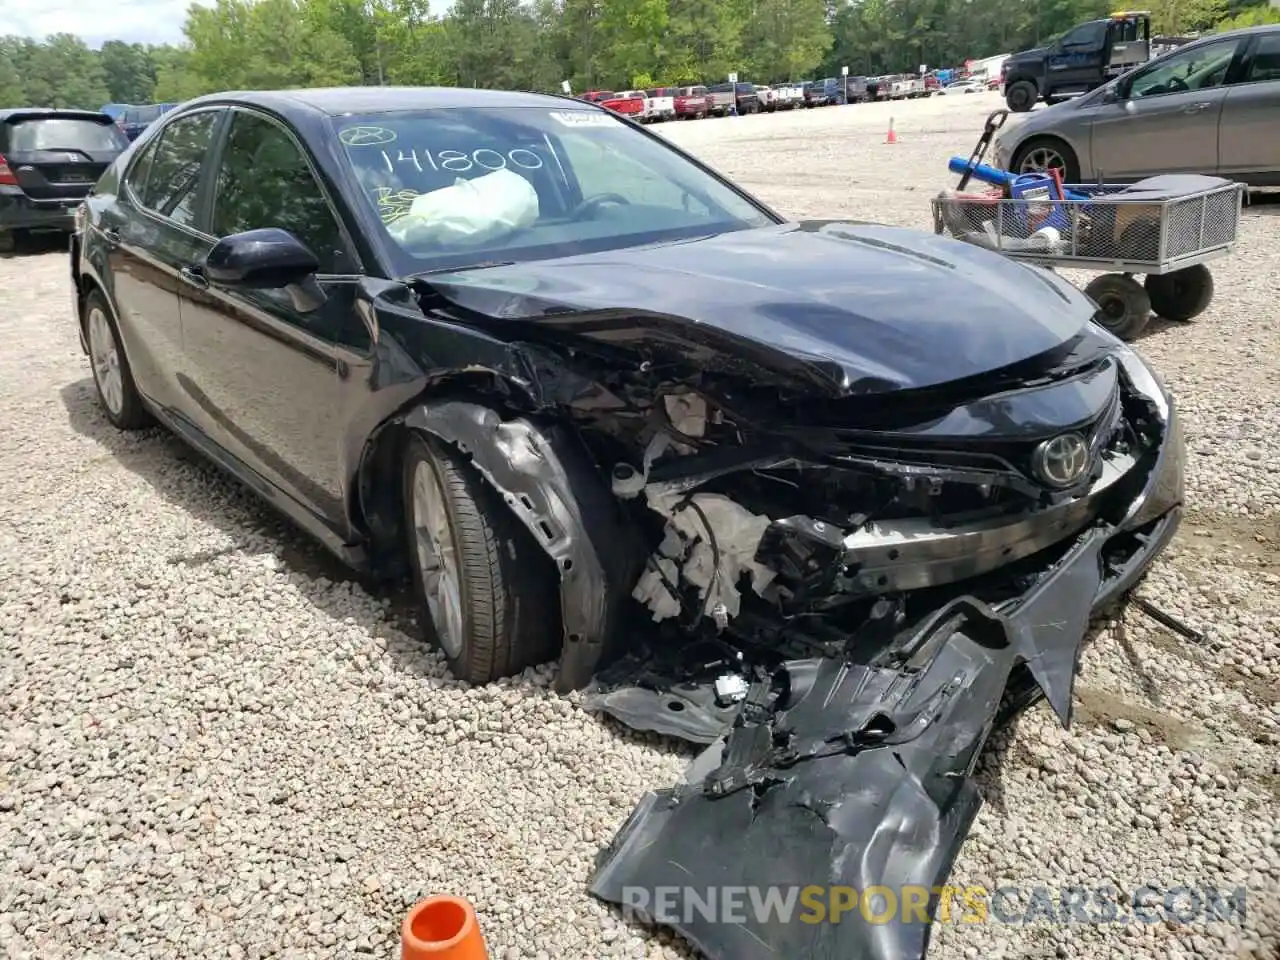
1063, 460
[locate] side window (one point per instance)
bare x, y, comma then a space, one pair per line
140, 170
264, 181
1266, 59
1086, 36
1201, 68
175, 167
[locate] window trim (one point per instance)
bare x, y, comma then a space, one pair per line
344, 232
1228, 80
153, 144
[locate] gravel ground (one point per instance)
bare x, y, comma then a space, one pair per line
214, 744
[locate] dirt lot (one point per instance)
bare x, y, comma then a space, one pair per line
214, 744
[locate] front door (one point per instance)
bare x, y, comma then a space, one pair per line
1074, 63
1166, 117
263, 370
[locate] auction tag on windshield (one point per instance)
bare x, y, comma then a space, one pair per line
583, 118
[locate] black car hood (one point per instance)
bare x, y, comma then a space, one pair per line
858, 308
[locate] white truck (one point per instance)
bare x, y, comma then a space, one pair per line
656, 109
768, 97
788, 96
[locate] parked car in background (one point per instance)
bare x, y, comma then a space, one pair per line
877, 89
815, 94
930, 84
768, 98
1083, 59
49, 161
1208, 107
855, 89
746, 98
630, 107
693, 102
832, 90
722, 98
134, 119
962, 86
788, 96
662, 102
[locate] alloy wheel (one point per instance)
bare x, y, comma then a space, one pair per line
437, 558
105, 356
1042, 159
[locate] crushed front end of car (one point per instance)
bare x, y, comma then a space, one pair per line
839, 569
937, 580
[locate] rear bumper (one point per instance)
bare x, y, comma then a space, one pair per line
20, 212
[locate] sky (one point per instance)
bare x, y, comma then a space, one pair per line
94, 21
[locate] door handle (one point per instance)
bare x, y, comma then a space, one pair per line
194, 276
1195, 107
112, 234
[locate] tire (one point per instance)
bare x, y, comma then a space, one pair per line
1039, 154
506, 589
1182, 295
1021, 96
8, 241
112, 376
1123, 305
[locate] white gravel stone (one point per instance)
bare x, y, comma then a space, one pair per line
214, 744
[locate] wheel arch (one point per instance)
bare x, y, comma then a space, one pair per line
545, 476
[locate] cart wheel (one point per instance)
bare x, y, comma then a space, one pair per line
1123, 305
1181, 295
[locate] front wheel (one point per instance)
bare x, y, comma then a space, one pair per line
1181, 295
1042, 154
1123, 305
486, 593
1021, 96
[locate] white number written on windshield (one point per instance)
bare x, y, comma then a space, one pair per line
462, 161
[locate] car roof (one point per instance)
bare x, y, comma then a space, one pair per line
337, 101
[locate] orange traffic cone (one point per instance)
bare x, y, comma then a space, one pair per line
892, 137
442, 928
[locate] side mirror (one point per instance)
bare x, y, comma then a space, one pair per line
1112, 94
264, 259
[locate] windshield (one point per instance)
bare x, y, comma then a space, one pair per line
65, 133
457, 187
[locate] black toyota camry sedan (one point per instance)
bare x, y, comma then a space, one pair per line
833, 491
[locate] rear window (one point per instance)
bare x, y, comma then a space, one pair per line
65, 133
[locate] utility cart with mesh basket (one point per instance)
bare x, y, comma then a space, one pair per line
1166, 228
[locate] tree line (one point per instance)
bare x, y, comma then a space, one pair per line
537, 44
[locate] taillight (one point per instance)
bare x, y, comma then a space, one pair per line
6, 175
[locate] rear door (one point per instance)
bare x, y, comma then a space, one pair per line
152, 233
1249, 131
1166, 120
59, 156
263, 373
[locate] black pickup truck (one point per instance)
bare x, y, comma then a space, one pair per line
1083, 58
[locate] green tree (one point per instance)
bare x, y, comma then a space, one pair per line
129, 72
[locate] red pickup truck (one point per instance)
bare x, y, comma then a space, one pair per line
695, 102
626, 106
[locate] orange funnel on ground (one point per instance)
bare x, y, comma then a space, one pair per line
442, 928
